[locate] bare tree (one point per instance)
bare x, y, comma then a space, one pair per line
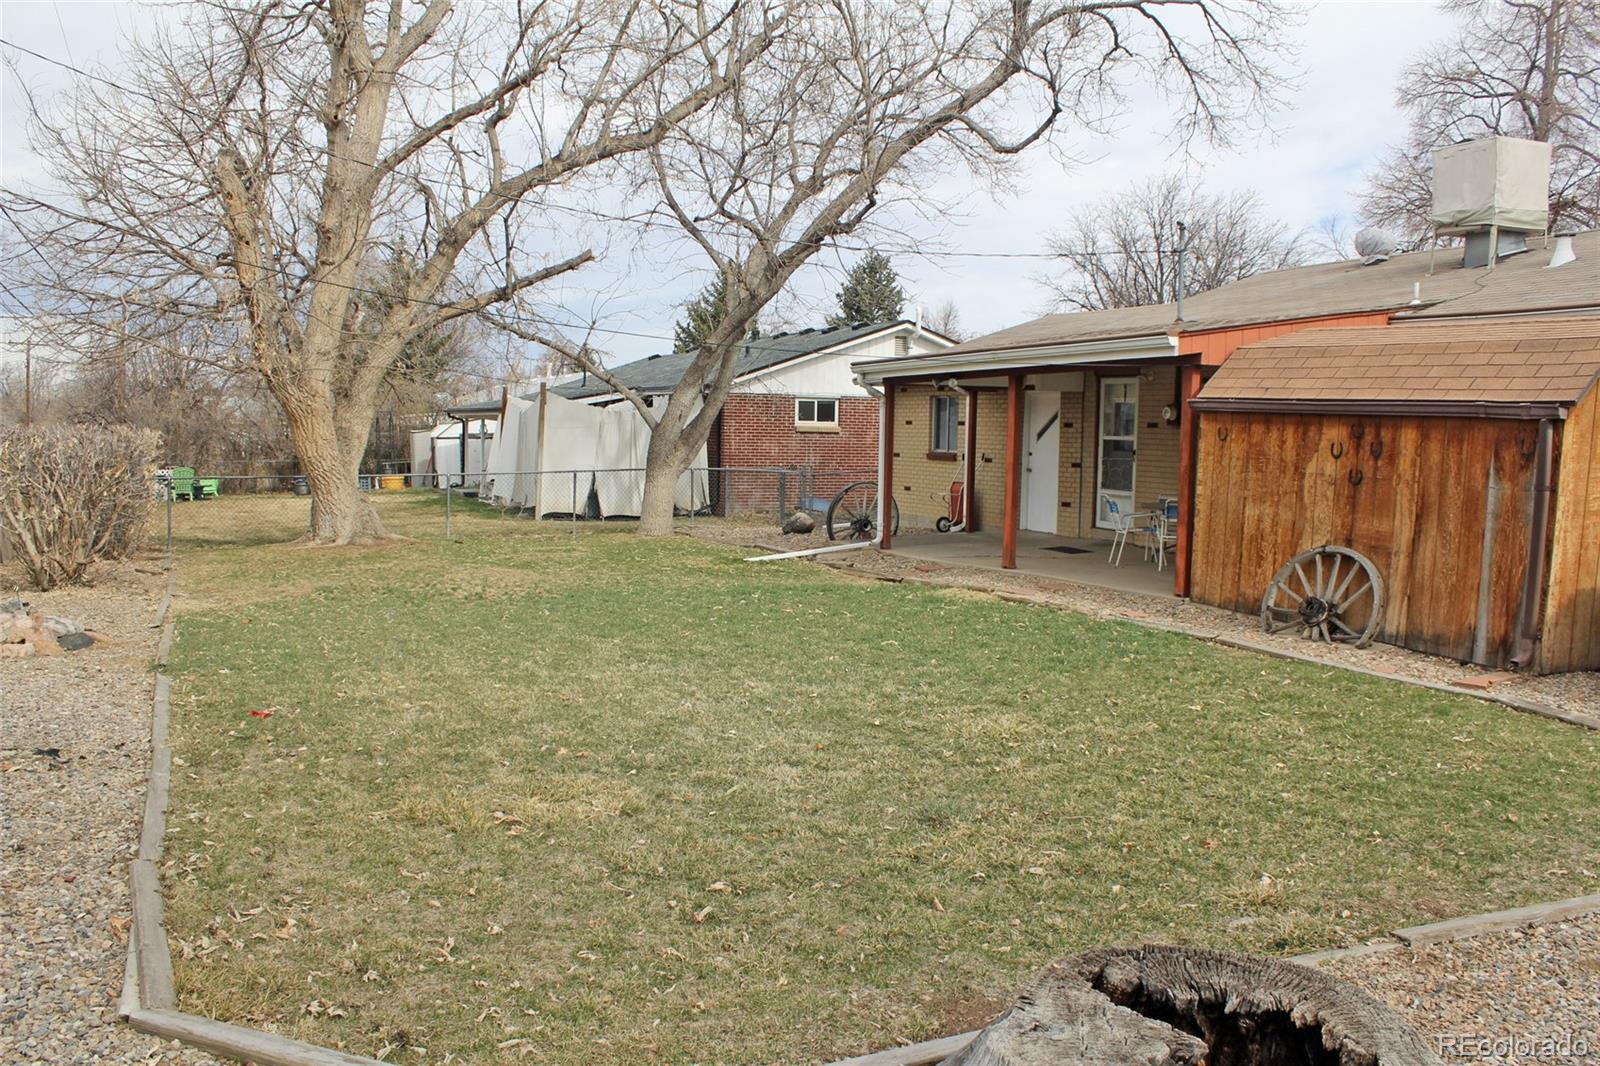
1123, 251
1521, 68
946, 319
264, 162
859, 104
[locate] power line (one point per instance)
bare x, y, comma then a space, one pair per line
645, 223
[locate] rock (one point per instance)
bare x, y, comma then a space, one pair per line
799, 522
16, 651
56, 624
74, 641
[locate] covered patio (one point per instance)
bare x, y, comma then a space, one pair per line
1081, 561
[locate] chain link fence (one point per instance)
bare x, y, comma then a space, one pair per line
199, 511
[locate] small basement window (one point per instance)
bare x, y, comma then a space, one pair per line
816, 414
946, 424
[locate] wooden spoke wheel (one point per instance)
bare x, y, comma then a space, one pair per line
1330, 593
853, 512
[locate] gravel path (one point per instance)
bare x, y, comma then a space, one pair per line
68, 824
1578, 693
1518, 997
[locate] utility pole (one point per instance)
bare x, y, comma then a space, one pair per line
27, 382
1183, 247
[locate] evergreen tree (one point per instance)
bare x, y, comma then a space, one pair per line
702, 315
871, 293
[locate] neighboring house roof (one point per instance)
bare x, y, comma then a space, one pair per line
1541, 363
661, 373
1518, 284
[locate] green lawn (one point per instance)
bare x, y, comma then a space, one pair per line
602, 800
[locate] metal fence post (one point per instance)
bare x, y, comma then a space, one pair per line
783, 494
169, 520
574, 503
447, 495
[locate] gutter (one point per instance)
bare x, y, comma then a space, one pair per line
883, 498
1145, 345
1534, 575
1421, 408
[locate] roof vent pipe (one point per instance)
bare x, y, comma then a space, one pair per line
1563, 253
1416, 294
1183, 246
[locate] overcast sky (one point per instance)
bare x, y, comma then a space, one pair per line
1337, 122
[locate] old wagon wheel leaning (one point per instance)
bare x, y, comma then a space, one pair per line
853, 512
1329, 593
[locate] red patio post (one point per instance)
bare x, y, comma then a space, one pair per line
1188, 447
969, 490
886, 466
1008, 536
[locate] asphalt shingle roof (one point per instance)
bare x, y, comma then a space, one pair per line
1517, 283
660, 373
1537, 361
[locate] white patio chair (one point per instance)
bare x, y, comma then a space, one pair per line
1166, 531
1125, 524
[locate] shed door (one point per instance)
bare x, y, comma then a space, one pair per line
1119, 426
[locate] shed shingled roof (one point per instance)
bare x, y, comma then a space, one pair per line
1511, 361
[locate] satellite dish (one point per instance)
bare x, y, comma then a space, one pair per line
1375, 243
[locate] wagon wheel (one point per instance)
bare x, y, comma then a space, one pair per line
853, 512
1330, 593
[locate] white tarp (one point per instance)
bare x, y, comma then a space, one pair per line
444, 445
515, 449
1492, 181
582, 452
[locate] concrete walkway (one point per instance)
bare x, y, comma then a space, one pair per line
1090, 565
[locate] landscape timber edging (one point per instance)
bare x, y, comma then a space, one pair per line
1213, 636
148, 996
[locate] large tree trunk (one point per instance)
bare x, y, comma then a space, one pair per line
340, 514
674, 442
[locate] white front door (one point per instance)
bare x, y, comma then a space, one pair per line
1119, 428
1041, 460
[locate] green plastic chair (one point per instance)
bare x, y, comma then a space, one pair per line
209, 488
182, 483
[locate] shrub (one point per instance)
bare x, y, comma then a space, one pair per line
73, 495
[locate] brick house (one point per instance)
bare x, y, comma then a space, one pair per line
795, 403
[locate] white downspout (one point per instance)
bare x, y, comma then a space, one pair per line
883, 498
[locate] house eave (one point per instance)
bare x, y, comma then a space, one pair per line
1082, 353
1416, 408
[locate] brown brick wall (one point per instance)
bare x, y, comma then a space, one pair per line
760, 431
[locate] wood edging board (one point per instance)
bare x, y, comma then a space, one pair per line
148, 993
238, 1042
1498, 921
1212, 636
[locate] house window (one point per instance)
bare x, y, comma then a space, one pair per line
946, 420
816, 414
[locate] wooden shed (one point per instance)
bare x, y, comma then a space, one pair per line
1461, 458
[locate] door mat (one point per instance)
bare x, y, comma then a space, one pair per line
1065, 549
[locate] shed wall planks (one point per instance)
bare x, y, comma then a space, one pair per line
1571, 629
1410, 493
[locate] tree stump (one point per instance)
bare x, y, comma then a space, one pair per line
1168, 1006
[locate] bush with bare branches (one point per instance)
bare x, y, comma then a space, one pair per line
71, 496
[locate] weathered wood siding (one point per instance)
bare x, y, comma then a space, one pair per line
1571, 630
1441, 506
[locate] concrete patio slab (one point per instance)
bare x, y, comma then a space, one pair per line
1035, 556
